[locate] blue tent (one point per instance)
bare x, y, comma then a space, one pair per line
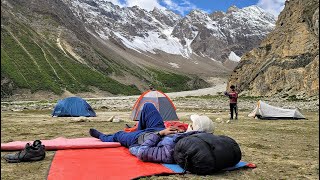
73, 107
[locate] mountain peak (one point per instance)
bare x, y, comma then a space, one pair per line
197, 15
197, 11
217, 15
232, 8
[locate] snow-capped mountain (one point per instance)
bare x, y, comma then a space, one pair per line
212, 36
95, 46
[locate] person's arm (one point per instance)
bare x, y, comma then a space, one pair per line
226, 93
150, 151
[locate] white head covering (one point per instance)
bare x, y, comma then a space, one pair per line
201, 123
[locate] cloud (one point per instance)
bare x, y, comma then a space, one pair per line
144, 4
116, 2
181, 6
272, 6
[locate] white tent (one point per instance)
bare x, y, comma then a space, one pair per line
266, 111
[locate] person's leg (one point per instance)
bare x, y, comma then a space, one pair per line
124, 138
236, 110
103, 137
150, 117
231, 111
107, 138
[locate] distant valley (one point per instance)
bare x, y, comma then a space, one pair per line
94, 46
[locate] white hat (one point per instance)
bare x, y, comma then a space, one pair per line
201, 123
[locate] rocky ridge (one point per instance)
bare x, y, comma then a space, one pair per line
213, 36
287, 61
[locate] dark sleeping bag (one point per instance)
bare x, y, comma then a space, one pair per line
205, 153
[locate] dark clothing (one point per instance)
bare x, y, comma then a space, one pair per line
233, 107
150, 121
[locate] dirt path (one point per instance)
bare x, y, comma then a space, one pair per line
214, 90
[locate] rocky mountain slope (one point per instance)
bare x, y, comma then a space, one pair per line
94, 46
213, 35
287, 62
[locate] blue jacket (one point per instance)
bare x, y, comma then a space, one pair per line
157, 149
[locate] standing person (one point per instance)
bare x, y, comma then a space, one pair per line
151, 87
233, 96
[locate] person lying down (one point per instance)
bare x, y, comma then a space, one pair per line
153, 142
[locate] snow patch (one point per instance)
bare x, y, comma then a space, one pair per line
126, 42
152, 42
174, 65
216, 60
234, 57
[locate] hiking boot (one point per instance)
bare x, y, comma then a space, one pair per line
36, 152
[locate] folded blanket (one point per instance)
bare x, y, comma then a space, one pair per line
62, 143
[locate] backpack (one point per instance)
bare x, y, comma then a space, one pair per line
205, 153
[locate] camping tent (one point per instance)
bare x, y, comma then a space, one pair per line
73, 107
160, 100
266, 111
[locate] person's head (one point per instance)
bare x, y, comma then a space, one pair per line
232, 87
151, 87
201, 123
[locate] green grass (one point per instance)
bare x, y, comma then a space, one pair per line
169, 82
34, 64
33, 61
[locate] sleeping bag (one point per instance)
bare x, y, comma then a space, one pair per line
205, 153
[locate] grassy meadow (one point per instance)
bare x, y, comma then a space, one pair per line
281, 149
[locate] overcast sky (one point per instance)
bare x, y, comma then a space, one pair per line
183, 7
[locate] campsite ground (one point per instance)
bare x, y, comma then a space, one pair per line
285, 149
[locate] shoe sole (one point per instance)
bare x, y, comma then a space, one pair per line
34, 159
31, 159
12, 161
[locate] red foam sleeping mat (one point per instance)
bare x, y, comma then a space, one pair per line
62, 143
103, 163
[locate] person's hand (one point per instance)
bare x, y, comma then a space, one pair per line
169, 130
226, 93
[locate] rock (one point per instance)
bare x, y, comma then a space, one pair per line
80, 119
116, 120
110, 119
219, 120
